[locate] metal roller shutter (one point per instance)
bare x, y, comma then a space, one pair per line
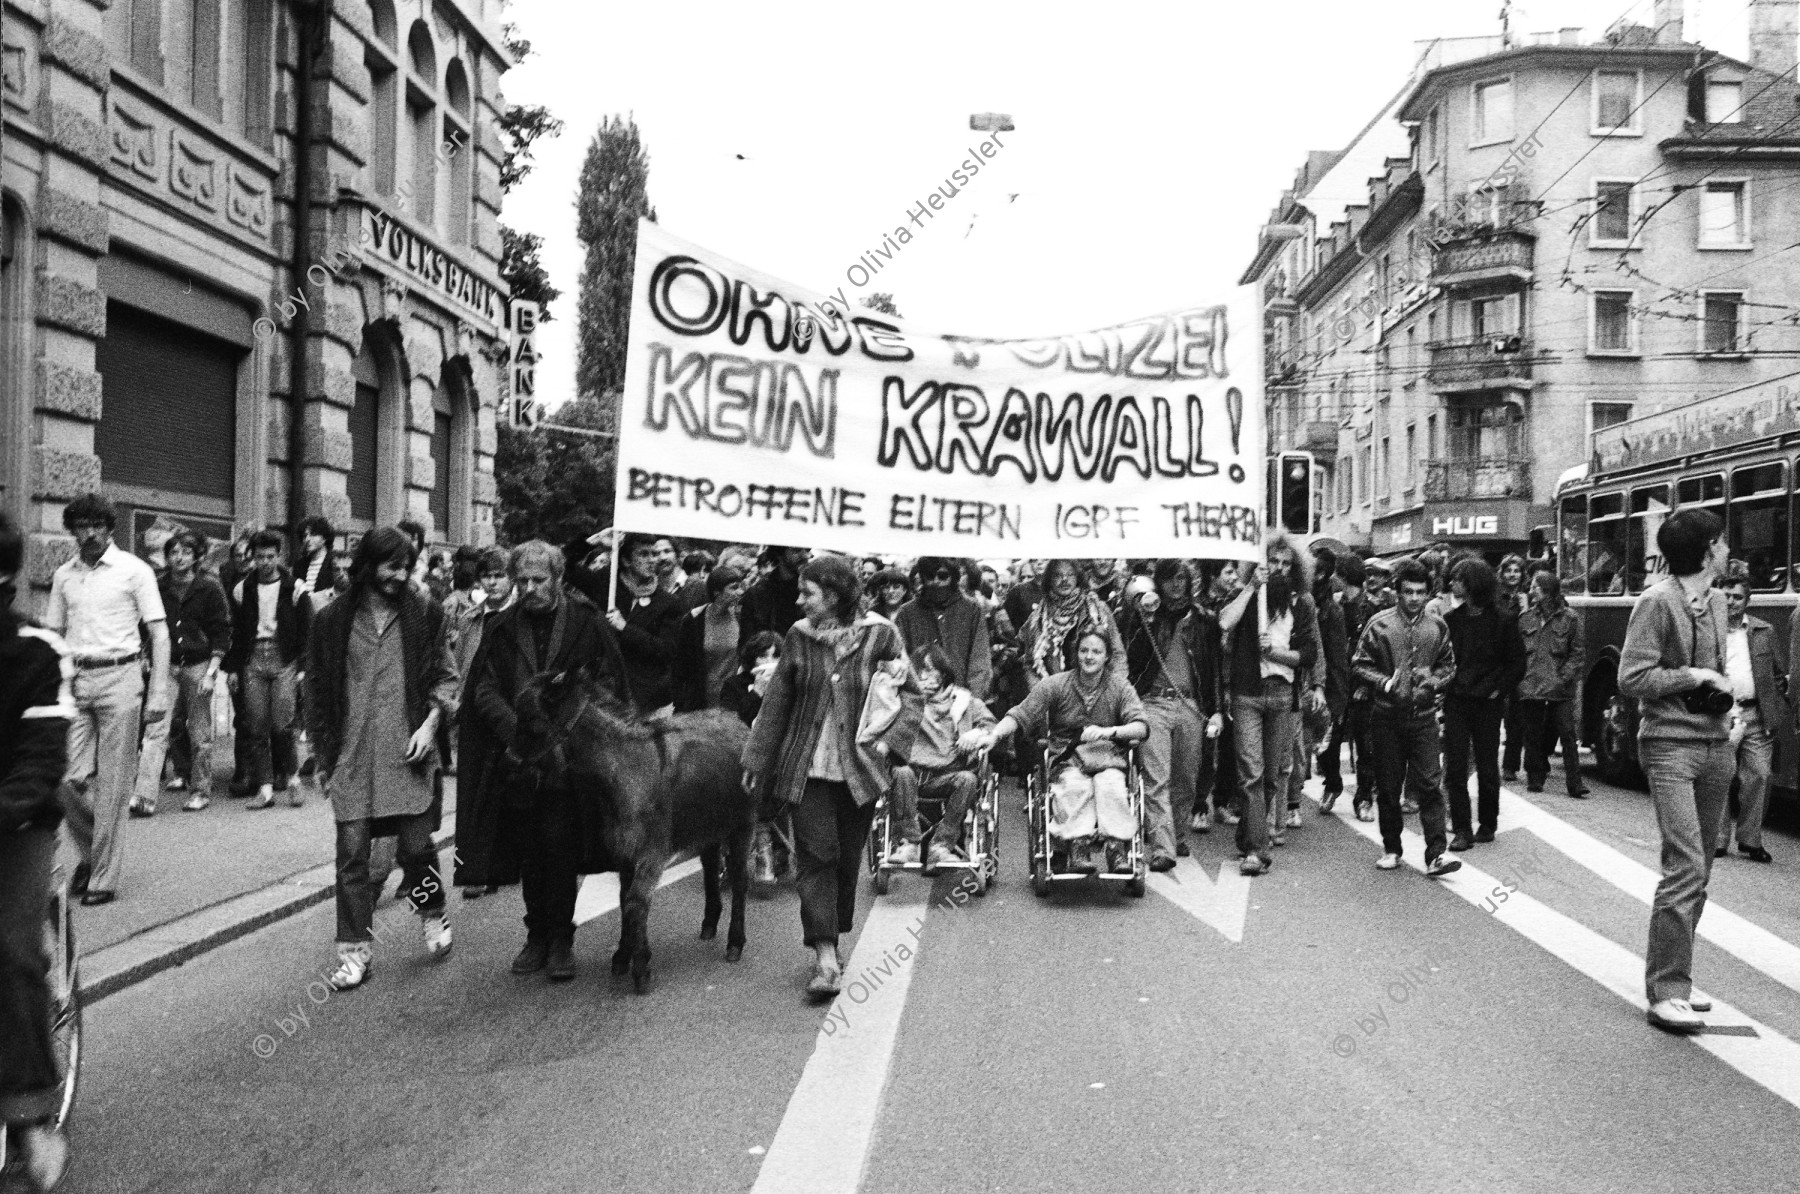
168, 406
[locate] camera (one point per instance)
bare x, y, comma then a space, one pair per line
1707, 701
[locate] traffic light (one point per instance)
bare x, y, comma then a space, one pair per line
1294, 492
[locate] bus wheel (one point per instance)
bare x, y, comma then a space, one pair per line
1612, 747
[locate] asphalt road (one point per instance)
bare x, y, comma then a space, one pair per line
1371, 1031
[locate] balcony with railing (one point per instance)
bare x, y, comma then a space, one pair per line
1477, 477
1483, 255
1491, 362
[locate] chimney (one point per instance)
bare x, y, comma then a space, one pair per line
1668, 22
1774, 32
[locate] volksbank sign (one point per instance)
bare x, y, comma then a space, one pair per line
387, 238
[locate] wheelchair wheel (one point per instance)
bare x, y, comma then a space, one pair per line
1135, 886
883, 880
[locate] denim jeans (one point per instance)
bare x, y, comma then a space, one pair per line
1689, 780
422, 886
1170, 758
1265, 723
1352, 728
28, 1079
1406, 756
268, 687
1472, 723
954, 789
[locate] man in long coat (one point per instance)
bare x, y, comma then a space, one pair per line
509, 825
380, 680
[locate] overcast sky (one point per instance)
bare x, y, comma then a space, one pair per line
1152, 139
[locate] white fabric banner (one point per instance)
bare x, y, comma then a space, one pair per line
760, 412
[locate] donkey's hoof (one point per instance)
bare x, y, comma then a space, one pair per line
640, 979
708, 932
734, 953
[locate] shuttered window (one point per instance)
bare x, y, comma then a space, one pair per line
364, 434
168, 406
441, 465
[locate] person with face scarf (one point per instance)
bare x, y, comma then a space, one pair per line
1172, 659
943, 614
1067, 610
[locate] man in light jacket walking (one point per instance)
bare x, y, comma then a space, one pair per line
1756, 664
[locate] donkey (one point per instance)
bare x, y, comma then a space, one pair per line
648, 789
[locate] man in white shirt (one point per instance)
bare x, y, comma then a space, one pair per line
98, 600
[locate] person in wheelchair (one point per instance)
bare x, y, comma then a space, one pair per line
938, 767
1087, 711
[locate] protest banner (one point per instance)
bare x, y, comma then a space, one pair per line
758, 411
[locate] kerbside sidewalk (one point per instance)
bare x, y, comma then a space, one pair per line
195, 881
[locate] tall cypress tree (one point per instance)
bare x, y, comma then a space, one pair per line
613, 197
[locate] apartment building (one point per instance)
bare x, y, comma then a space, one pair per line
1578, 233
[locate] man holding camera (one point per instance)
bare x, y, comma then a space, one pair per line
1674, 661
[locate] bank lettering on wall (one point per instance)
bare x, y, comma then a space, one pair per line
755, 410
392, 241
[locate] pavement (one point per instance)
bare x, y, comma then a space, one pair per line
1341, 1029
195, 881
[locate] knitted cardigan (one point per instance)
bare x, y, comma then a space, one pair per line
793, 713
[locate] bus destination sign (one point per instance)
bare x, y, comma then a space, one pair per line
1713, 424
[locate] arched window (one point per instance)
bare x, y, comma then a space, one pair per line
422, 123
459, 155
365, 432
381, 16
452, 451
134, 29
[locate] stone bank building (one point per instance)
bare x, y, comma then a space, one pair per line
249, 264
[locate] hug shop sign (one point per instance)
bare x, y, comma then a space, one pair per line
755, 409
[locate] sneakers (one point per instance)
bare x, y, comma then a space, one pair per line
196, 803
437, 934
1674, 1015
354, 964
1252, 865
1081, 858
1388, 862
1293, 818
141, 808
1225, 816
1118, 858
827, 978
905, 854
943, 855
1442, 865
1408, 806
296, 796
1328, 801
264, 798
1162, 864
1365, 810
176, 784
1511, 777
1200, 822
46, 1153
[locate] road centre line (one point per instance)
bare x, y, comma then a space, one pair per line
599, 894
1769, 1059
1750, 943
822, 1145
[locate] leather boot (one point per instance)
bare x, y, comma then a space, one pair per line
533, 957
561, 960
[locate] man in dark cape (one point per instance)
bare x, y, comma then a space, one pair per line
509, 827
